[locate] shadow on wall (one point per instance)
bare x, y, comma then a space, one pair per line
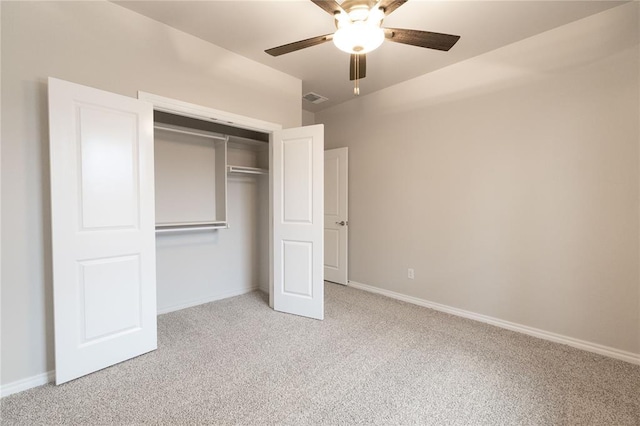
36, 94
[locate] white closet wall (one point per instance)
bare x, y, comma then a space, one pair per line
184, 177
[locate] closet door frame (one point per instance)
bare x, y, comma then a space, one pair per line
174, 106
309, 139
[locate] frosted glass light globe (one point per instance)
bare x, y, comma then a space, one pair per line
358, 37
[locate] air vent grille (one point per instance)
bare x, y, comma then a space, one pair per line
314, 98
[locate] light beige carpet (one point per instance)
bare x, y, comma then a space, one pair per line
373, 360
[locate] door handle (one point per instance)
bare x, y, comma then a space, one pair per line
341, 223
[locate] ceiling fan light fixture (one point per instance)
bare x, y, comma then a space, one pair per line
359, 31
358, 37
376, 15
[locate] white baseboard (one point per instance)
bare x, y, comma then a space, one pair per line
28, 383
208, 299
542, 334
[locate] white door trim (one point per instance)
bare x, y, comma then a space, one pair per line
174, 106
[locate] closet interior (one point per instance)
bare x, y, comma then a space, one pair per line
212, 210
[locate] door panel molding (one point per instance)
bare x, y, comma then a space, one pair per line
296, 175
103, 228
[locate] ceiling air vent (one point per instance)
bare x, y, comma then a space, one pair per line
314, 98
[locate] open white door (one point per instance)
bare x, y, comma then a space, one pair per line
102, 202
336, 215
296, 174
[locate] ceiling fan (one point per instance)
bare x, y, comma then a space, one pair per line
359, 31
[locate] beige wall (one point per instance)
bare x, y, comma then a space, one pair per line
509, 182
102, 45
308, 118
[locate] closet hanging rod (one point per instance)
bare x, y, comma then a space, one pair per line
190, 226
216, 136
247, 170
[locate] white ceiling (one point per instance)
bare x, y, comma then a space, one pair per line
250, 27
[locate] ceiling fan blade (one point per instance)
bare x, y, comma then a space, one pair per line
390, 5
297, 45
357, 66
330, 6
418, 38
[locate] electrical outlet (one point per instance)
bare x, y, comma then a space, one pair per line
411, 273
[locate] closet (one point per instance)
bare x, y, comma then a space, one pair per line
212, 211
156, 202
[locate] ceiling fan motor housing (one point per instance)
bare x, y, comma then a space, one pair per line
359, 10
349, 5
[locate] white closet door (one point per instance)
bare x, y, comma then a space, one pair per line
102, 201
297, 167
